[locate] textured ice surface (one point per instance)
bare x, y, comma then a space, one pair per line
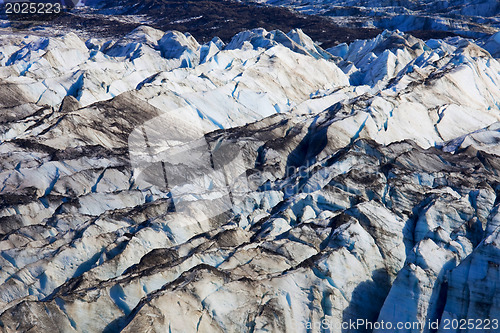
153, 183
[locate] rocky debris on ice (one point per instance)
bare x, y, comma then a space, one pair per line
266, 184
473, 19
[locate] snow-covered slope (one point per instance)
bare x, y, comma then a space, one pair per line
153, 183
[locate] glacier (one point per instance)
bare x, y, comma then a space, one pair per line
154, 183
466, 18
